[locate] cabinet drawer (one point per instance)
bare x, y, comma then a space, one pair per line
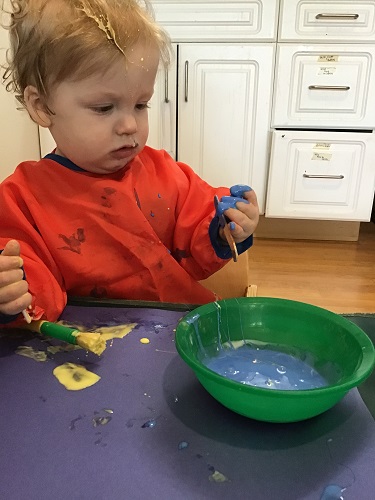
321, 175
322, 86
221, 20
328, 20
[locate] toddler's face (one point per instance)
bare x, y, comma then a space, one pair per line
101, 123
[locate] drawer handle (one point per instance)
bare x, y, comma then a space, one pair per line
322, 176
166, 87
186, 81
329, 87
337, 16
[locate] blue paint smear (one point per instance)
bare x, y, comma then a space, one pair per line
332, 492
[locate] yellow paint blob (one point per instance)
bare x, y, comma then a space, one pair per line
75, 377
106, 332
115, 332
144, 340
218, 477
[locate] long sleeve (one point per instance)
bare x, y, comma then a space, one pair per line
141, 233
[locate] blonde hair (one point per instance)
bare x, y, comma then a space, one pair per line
55, 40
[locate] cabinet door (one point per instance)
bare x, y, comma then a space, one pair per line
325, 86
327, 20
321, 175
223, 112
218, 20
19, 139
162, 112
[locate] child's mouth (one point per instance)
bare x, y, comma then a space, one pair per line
124, 152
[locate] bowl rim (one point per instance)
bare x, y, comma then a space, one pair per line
363, 370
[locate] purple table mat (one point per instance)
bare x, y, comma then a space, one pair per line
52, 449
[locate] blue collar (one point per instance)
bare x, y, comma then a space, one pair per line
65, 162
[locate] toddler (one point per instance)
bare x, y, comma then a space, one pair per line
103, 215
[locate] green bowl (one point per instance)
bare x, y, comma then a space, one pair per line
335, 345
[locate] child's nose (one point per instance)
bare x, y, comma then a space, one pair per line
127, 124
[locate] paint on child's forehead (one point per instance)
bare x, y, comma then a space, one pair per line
101, 19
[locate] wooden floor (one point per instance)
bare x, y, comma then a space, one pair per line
339, 276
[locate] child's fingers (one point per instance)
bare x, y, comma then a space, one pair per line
251, 197
17, 305
10, 256
14, 298
10, 276
12, 248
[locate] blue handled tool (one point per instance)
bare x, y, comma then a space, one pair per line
226, 202
223, 222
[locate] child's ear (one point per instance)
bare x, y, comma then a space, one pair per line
36, 108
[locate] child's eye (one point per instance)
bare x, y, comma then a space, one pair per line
142, 105
102, 109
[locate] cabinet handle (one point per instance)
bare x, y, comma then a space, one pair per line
329, 87
337, 16
166, 87
186, 80
322, 176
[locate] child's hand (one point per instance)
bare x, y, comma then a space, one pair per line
14, 295
245, 217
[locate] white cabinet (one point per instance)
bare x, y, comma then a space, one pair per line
322, 157
325, 86
19, 138
327, 20
321, 175
47, 143
224, 95
224, 108
218, 20
163, 109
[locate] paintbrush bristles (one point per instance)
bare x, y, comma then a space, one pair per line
91, 341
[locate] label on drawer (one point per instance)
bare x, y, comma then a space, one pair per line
328, 58
327, 70
322, 156
322, 145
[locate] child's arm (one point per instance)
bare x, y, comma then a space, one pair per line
197, 232
14, 295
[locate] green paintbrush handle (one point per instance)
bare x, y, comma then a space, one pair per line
59, 332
